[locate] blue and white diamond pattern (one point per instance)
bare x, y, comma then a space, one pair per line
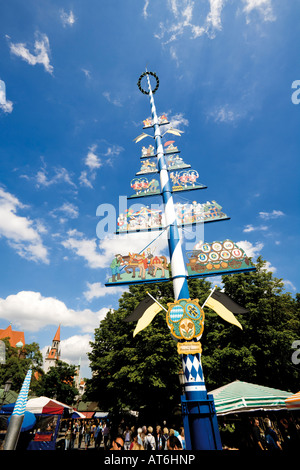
192, 368
176, 313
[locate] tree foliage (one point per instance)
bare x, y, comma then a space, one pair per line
18, 362
261, 352
58, 383
142, 372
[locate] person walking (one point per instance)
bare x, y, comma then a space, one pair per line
105, 433
127, 438
87, 435
68, 436
80, 433
98, 435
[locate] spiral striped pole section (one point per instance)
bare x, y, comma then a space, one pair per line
202, 435
180, 285
16, 420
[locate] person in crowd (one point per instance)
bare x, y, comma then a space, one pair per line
173, 443
181, 437
105, 433
74, 434
98, 435
80, 433
258, 435
158, 438
272, 439
165, 437
140, 439
136, 443
87, 435
127, 438
117, 443
149, 443
291, 437
68, 435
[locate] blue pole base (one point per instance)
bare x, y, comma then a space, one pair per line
200, 424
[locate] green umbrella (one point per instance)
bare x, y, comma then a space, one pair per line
237, 397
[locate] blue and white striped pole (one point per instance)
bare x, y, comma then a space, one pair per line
203, 431
16, 420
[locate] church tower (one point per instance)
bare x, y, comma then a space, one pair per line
53, 353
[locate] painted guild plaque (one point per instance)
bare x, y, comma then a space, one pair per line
148, 151
217, 258
147, 218
148, 166
138, 267
185, 180
170, 148
174, 162
144, 186
161, 120
185, 318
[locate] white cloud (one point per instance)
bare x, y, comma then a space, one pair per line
290, 284
21, 233
251, 228
114, 101
99, 255
253, 251
68, 19
41, 50
84, 179
111, 152
43, 179
271, 215
87, 73
92, 160
183, 13
145, 12
5, 105
97, 290
68, 209
31, 311
225, 114
263, 7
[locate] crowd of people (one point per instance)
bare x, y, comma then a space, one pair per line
104, 435
86, 434
267, 437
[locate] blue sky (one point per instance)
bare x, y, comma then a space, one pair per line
70, 109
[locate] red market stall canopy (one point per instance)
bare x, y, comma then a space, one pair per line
293, 402
44, 405
238, 397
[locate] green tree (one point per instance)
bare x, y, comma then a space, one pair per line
58, 383
261, 352
18, 362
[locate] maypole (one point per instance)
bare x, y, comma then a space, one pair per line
185, 317
200, 425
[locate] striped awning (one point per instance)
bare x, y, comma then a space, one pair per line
293, 402
238, 397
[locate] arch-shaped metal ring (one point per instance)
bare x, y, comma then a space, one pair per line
140, 79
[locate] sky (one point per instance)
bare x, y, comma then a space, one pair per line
70, 109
